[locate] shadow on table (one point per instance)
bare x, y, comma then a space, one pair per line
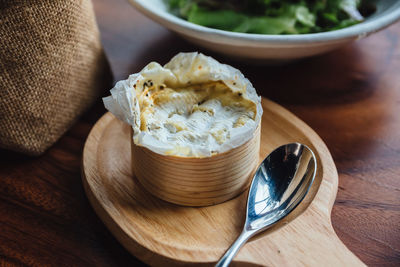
342, 76
163, 48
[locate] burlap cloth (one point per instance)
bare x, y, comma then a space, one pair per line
52, 68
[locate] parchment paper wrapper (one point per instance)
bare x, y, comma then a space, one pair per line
182, 70
52, 68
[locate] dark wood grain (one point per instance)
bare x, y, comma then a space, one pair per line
350, 97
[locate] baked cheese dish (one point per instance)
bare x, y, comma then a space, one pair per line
193, 106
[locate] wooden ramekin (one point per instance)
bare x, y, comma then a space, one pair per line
190, 181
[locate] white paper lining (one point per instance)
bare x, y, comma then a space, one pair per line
183, 69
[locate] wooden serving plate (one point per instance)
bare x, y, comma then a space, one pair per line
164, 234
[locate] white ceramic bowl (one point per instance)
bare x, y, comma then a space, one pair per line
266, 47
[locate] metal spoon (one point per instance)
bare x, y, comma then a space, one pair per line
280, 183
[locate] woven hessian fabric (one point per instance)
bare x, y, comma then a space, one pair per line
52, 68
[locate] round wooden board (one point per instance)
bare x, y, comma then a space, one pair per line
160, 233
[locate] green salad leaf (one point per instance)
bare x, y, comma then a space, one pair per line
270, 16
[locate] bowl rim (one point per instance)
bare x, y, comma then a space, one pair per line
180, 25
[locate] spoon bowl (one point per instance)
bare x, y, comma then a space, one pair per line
279, 185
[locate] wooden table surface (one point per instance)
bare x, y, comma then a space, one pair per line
350, 97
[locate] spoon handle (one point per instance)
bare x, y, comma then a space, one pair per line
234, 248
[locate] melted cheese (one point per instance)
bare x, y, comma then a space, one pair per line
194, 106
201, 115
